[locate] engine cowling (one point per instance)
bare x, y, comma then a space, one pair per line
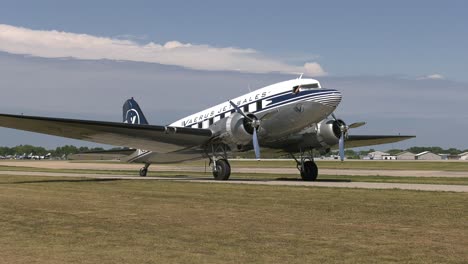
235, 130
328, 132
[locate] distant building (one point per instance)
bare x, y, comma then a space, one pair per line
389, 157
463, 156
427, 155
377, 155
406, 155
450, 156
444, 156
453, 157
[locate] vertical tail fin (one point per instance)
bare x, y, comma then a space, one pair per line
132, 113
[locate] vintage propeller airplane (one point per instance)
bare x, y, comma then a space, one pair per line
287, 117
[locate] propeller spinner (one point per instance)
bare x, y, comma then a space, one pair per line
255, 124
344, 133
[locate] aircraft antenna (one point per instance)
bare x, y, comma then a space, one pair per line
300, 76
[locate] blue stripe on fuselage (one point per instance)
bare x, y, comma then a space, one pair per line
279, 99
289, 97
302, 94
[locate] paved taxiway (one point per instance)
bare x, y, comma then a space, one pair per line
291, 182
160, 167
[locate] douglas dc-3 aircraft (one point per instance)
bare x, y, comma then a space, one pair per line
287, 117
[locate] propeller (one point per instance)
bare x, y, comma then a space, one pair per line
255, 123
255, 144
341, 146
344, 133
357, 124
238, 110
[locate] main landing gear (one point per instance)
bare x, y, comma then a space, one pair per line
221, 170
306, 165
219, 162
144, 170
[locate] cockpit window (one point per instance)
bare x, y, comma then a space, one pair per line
296, 89
309, 86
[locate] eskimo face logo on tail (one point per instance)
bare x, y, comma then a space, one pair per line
132, 117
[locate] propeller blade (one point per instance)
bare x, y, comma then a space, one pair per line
255, 123
357, 124
256, 145
341, 146
238, 110
333, 115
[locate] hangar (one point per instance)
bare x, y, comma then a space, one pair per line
406, 155
463, 156
377, 155
427, 155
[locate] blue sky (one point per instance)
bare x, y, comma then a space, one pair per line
400, 65
414, 38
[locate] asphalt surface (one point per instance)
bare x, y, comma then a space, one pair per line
209, 179
185, 168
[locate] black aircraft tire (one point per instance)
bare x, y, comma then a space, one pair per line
310, 171
223, 170
143, 172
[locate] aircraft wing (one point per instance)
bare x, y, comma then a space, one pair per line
160, 139
354, 141
112, 154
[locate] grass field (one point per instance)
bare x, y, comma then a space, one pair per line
55, 220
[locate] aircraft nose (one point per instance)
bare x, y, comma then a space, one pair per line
330, 97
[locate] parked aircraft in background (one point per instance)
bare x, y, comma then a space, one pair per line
30, 156
294, 117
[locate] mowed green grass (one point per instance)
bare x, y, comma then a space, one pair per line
68, 220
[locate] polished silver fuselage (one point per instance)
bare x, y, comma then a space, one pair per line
291, 109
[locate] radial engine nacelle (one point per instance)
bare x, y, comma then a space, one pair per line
329, 131
235, 130
325, 134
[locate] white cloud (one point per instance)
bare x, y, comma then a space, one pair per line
435, 76
56, 44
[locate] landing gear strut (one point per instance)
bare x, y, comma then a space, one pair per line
307, 166
144, 170
219, 162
